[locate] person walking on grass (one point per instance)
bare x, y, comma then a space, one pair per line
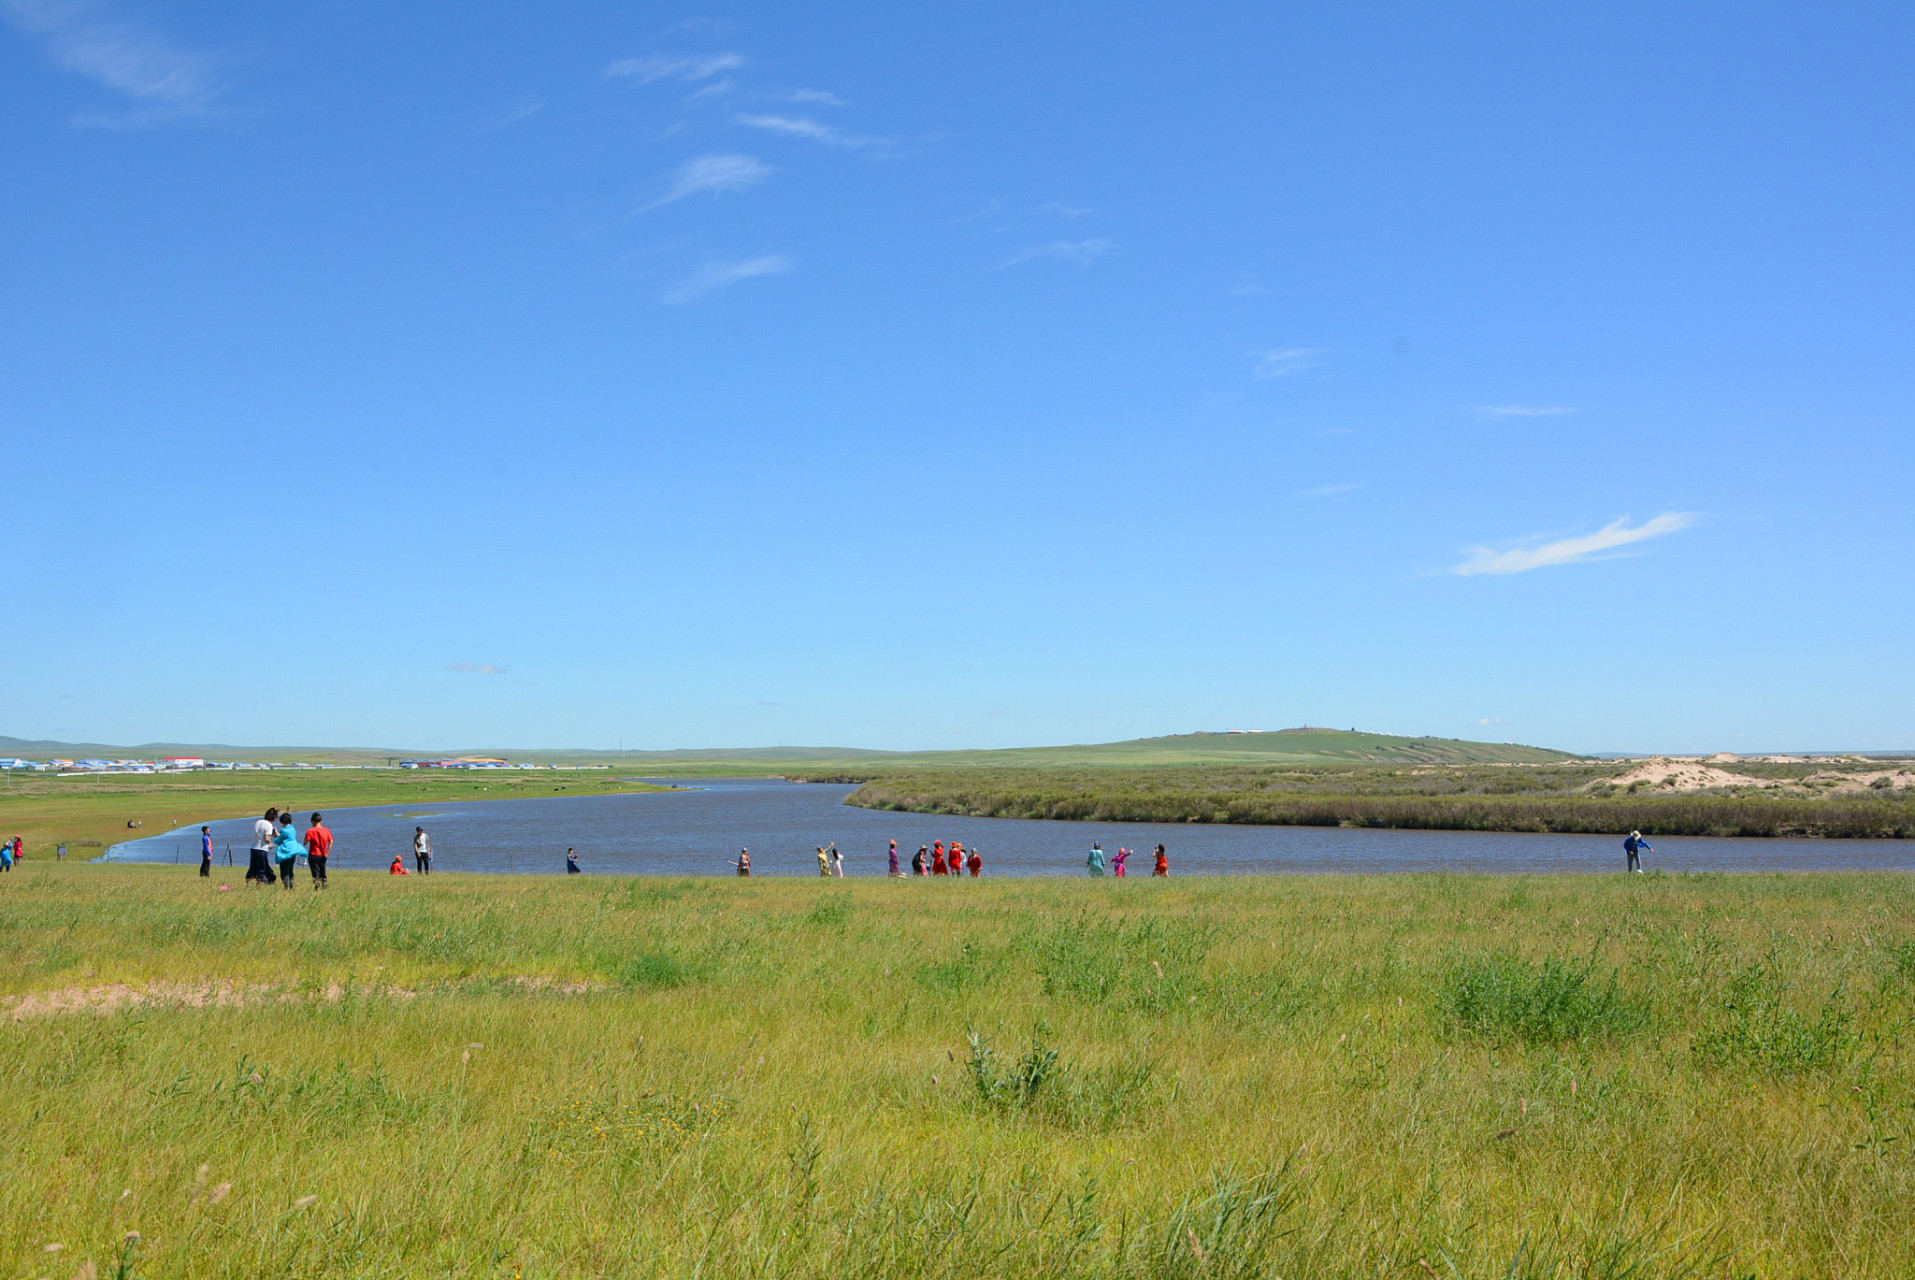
1163, 863
318, 849
421, 850
976, 864
571, 864
895, 873
1633, 844
744, 863
259, 867
288, 849
917, 862
1095, 859
205, 852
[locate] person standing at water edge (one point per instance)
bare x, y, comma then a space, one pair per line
1632, 844
288, 849
1163, 863
824, 862
837, 861
571, 863
318, 848
895, 873
917, 862
1119, 862
206, 851
265, 835
1095, 860
744, 863
976, 864
421, 850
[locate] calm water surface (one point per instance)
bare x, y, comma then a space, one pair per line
699, 832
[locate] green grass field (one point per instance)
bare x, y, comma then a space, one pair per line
1563, 796
1275, 1077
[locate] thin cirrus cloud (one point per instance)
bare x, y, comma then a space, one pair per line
802, 127
1285, 362
714, 276
476, 668
716, 174
162, 83
1082, 252
666, 66
1522, 410
1590, 546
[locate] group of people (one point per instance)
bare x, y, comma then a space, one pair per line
936, 862
1120, 864
277, 845
11, 851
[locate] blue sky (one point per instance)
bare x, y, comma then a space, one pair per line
441, 375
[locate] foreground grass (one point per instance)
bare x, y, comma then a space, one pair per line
1560, 797
482, 1076
88, 812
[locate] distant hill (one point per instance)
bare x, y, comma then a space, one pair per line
1305, 745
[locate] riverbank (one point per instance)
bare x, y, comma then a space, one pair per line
1819, 799
1300, 1077
90, 812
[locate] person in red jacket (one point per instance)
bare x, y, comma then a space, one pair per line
398, 867
976, 864
938, 867
318, 848
1163, 863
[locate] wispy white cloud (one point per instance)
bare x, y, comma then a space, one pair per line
714, 173
716, 89
1590, 546
668, 66
476, 668
1329, 490
1063, 210
164, 83
1487, 721
1285, 362
1082, 252
723, 274
820, 97
1521, 410
524, 109
803, 127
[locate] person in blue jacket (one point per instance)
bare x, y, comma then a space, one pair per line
1631, 845
287, 848
1095, 862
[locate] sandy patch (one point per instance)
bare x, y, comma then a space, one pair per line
112, 996
1725, 757
1684, 775
1850, 782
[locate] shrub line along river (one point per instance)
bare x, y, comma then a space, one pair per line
699, 832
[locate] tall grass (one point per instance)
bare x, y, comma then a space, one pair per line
1302, 1077
1461, 798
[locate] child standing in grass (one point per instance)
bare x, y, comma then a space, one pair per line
318, 848
287, 848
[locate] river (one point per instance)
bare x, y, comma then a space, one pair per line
699, 832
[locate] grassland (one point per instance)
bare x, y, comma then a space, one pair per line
489, 1077
1570, 796
87, 812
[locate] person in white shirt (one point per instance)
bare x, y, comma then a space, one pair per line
421, 850
259, 868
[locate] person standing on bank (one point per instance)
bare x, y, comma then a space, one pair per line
837, 861
205, 851
1095, 860
288, 849
744, 863
259, 869
1632, 844
895, 873
571, 864
318, 848
421, 850
1163, 863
